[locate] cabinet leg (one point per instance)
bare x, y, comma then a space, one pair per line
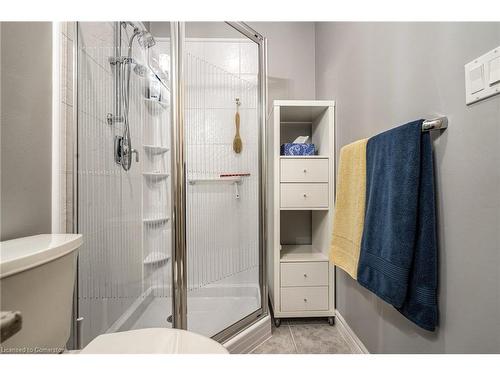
277, 322
331, 320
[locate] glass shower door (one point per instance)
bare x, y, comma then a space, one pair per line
222, 120
124, 269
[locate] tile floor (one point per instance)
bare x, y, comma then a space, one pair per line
305, 336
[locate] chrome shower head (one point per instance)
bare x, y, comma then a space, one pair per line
146, 40
144, 37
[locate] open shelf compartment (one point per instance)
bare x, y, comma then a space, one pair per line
301, 253
308, 120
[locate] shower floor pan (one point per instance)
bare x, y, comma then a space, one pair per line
211, 308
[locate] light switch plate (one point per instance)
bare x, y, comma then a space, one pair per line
476, 77
482, 77
494, 71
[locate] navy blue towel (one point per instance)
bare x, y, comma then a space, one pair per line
398, 259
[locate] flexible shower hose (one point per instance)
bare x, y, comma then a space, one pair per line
126, 155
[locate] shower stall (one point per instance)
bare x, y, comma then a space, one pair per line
171, 211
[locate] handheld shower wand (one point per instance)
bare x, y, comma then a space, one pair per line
123, 144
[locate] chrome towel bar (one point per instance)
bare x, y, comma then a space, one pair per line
439, 123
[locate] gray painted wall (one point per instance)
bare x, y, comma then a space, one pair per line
26, 127
291, 51
382, 75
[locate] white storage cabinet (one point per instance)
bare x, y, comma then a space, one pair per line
301, 195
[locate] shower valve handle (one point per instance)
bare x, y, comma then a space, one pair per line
134, 151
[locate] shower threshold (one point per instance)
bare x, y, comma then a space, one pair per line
211, 308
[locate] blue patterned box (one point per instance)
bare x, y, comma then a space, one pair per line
298, 149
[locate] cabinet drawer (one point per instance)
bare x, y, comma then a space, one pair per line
304, 298
304, 274
304, 170
295, 195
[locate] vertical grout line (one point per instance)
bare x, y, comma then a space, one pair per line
293, 338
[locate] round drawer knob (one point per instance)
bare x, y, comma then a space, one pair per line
305, 195
305, 299
305, 170
305, 275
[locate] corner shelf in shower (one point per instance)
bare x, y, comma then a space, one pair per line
155, 221
155, 258
155, 102
155, 150
155, 175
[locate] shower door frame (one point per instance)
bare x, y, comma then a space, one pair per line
179, 177
178, 173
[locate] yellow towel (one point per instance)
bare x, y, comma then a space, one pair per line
349, 215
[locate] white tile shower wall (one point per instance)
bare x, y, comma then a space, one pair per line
222, 230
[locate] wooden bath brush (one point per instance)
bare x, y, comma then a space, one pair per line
237, 143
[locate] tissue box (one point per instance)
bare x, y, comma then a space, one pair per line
301, 149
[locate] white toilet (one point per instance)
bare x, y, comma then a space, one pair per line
153, 341
37, 276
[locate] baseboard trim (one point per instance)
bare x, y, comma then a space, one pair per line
352, 339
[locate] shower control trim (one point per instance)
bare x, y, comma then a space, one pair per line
118, 149
121, 154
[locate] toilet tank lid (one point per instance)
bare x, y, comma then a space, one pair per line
24, 253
